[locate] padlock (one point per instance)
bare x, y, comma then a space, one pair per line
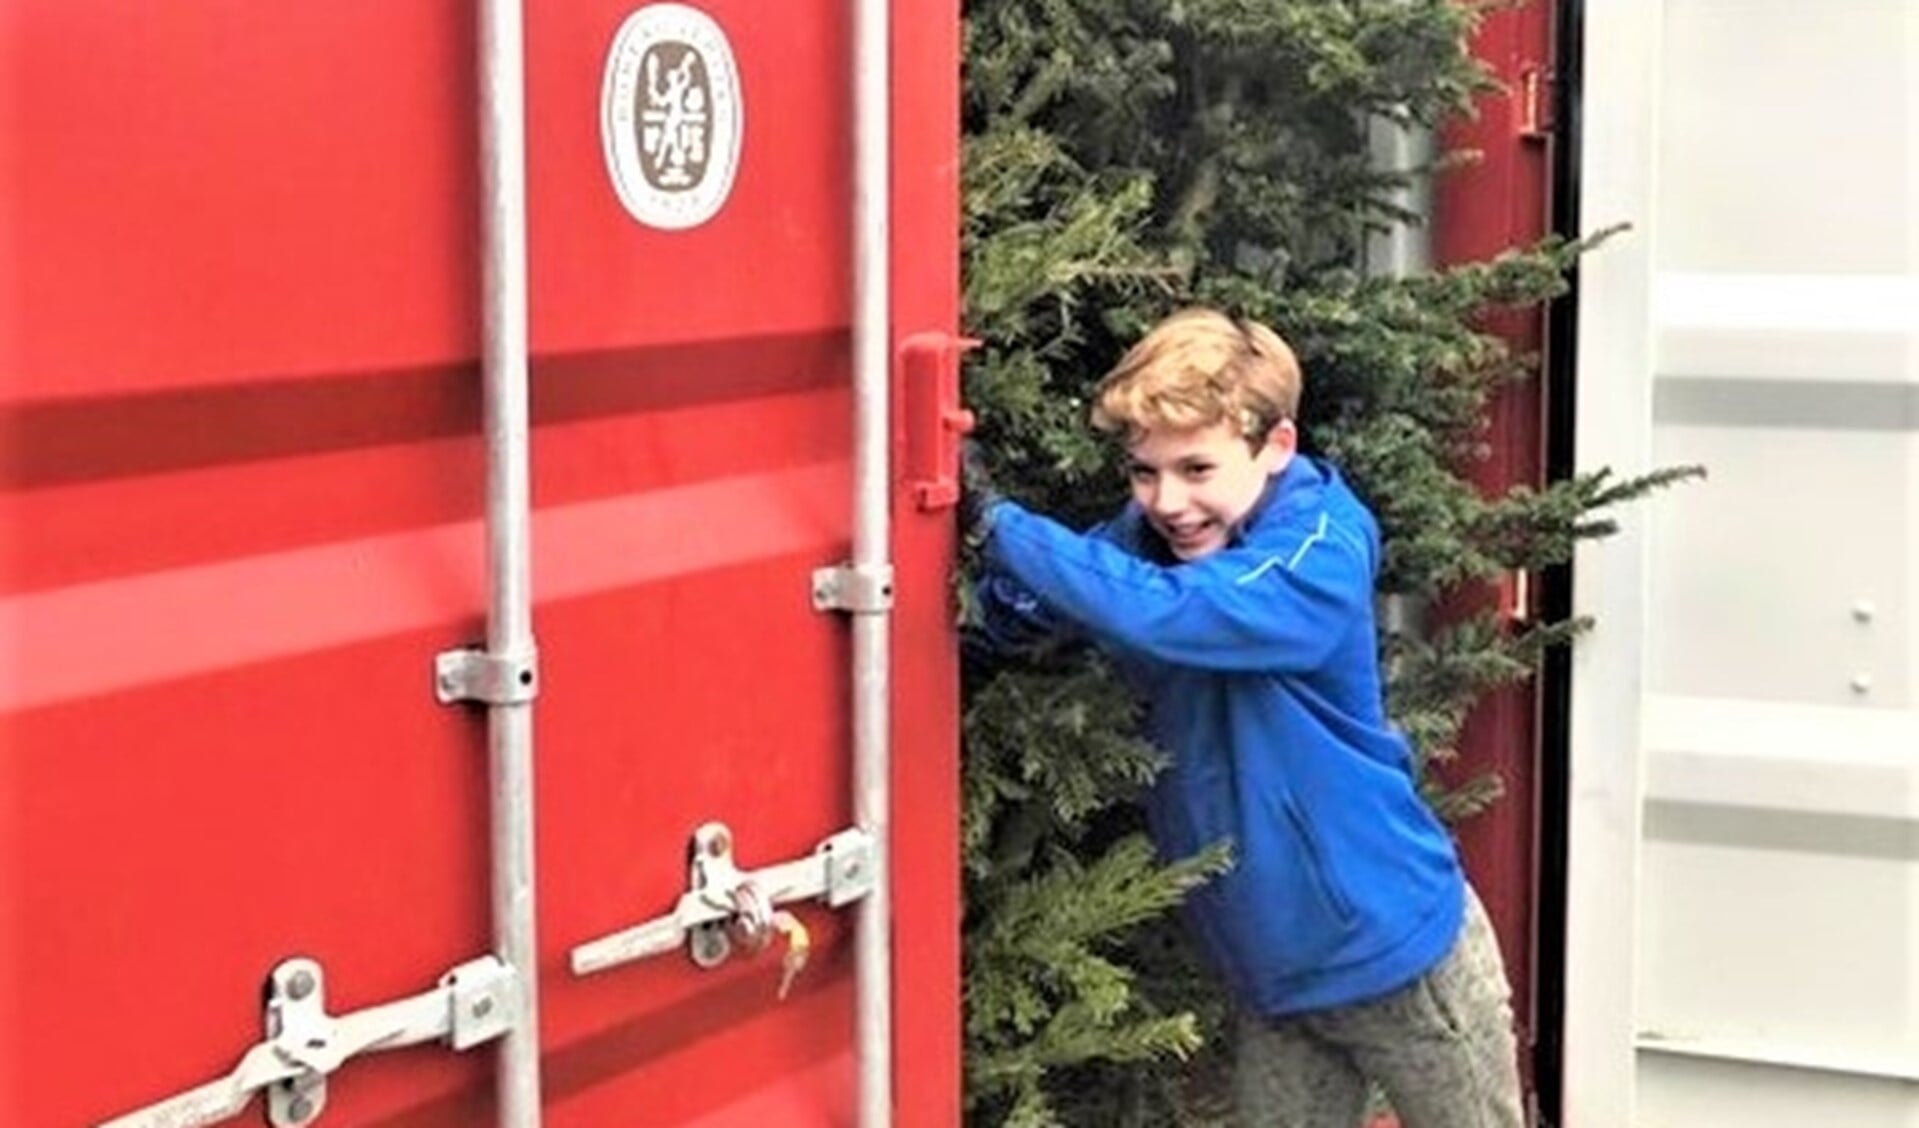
752, 916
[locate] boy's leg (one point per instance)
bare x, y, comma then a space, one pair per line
1442, 1048
1283, 1077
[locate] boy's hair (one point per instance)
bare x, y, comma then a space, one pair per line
1197, 368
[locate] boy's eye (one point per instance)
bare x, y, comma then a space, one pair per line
1140, 473
1199, 469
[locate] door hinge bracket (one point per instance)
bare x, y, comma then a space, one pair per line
840, 871
476, 1002
471, 674
855, 589
1516, 598
1538, 92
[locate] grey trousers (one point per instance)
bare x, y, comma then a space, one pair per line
1441, 1048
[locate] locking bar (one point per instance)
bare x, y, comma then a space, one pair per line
839, 872
474, 1003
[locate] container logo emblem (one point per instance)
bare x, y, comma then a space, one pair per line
670, 116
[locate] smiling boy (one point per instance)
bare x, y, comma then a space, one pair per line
1235, 596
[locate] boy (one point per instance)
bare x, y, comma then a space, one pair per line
1235, 595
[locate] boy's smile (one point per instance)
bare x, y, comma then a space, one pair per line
1196, 484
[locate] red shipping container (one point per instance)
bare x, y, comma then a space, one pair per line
241, 512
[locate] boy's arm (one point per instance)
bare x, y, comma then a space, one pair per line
1010, 617
1238, 609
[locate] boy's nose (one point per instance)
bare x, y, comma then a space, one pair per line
1169, 497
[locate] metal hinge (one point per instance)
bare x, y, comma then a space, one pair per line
476, 1002
1516, 597
719, 895
854, 589
1538, 89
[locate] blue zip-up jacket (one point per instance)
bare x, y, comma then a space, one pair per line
1259, 666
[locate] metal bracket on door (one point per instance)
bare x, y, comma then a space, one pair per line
853, 589
839, 872
474, 1003
474, 675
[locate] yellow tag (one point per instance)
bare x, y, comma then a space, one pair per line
799, 945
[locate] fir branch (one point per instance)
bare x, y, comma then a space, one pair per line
1123, 158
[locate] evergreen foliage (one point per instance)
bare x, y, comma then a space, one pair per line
1124, 158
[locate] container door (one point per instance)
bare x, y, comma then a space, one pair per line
1744, 933
240, 513
692, 380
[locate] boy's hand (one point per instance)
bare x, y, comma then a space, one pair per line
977, 494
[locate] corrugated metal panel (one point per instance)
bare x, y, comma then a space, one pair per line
240, 498
1775, 756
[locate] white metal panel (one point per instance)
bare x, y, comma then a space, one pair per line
1614, 351
1774, 130
1700, 1092
1785, 575
1764, 944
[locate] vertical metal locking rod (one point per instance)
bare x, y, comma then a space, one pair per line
509, 632
871, 639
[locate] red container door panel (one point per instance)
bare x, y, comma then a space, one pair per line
240, 512
1501, 200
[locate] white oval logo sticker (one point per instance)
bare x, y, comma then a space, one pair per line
670, 116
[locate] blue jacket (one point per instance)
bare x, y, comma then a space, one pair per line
1259, 666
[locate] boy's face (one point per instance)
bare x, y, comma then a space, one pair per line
1196, 484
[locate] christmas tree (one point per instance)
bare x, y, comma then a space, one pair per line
1124, 158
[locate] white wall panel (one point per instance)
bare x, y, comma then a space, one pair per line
1767, 316
1695, 1092
1784, 576
1773, 134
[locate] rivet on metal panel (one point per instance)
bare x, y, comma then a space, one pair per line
1862, 684
1864, 611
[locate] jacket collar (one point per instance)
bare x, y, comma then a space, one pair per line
1296, 486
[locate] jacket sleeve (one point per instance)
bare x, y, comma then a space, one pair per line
1273, 608
1011, 617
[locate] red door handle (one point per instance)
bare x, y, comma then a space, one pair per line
935, 419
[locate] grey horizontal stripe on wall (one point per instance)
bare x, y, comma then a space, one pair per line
1826, 405
1801, 832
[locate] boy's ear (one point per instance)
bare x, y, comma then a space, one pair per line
1282, 442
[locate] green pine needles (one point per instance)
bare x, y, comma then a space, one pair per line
1124, 158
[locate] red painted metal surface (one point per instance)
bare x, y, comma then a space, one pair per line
240, 512
1501, 200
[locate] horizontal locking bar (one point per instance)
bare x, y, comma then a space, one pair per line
841, 870
474, 1003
